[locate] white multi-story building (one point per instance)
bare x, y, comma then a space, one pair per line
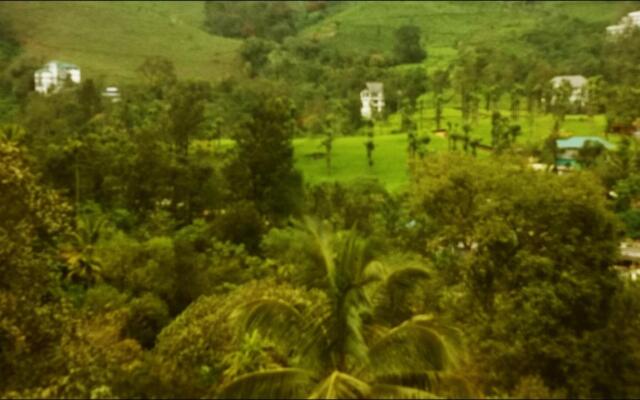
54, 74
578, 85
629, 21
372, 99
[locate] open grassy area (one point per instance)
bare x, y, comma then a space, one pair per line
349, 159
390, 155
111, 39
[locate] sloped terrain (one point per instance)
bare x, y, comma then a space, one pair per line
111, 39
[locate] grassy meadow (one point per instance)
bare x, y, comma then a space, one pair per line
349, 157
132, 30
129, 32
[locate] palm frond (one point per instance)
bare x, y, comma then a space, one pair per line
286, 327
407, 348
392, 297
322, 238
406, 277
443, 384
273, 384
389, 391
453, 336
274, 319
375, 332
341, 386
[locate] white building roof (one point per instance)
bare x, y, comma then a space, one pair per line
615, 29
575, 81
63, 65
375, 87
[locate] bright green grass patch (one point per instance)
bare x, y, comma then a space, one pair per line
349, 156
111, 39
349, 160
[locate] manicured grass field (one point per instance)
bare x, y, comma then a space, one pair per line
349, 156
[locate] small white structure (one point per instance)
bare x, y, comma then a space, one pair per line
372, 98
629, 21
112, 93
54, 74
578, 84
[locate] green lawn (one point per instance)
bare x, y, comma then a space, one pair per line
390, 155
111, 39
349, 160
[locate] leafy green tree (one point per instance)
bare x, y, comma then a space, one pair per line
439, 83
158, 74
186, 116
589, 153
466, 79
255, 52
19, 74
407, 47
414, 83
203, 347
32, 219
595, 96
262, 169
147, 316
369, 144
561, 101
520, 236
328, 142
266, 19
551, 40
89, 100
535, 83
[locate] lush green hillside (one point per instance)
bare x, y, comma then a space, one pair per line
130, 31
369, 26
113, 38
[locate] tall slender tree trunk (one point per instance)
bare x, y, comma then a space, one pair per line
77, 182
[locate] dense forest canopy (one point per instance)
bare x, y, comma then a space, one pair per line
319, 199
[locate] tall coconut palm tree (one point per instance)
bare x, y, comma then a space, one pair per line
344, 352
82, 263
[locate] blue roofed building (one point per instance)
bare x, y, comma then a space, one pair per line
569, 149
